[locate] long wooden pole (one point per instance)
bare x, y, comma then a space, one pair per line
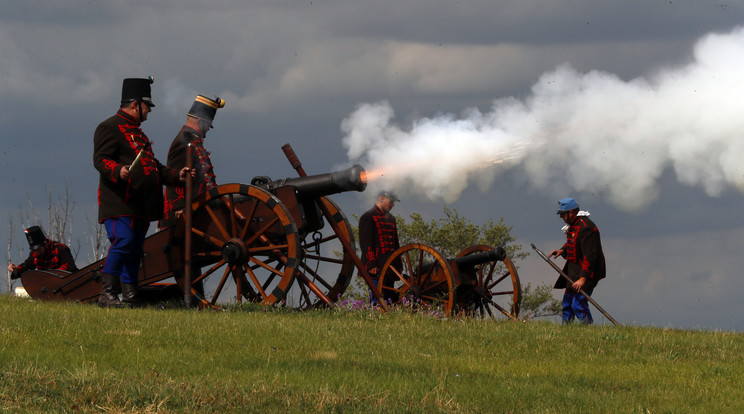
565, 276
187, 232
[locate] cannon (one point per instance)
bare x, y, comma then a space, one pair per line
264, 242
480, 281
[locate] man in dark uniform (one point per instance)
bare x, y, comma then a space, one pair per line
45, 254
378, 236
130, 193
198, 122
585, 262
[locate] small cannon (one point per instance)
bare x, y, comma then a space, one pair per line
480, 281
301, 194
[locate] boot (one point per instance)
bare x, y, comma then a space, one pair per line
129, 294
108, 297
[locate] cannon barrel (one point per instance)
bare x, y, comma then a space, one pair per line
321, 185
472, 260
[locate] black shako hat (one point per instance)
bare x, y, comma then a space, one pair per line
205, 108
134, 89
35, 237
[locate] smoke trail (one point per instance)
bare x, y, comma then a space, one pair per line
177, 96
591, 132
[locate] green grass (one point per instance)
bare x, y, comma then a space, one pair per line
62, 357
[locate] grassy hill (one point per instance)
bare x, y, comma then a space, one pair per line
63, 357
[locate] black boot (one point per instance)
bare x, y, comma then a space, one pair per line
109, 297
129, 294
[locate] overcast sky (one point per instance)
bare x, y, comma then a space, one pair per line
496, 108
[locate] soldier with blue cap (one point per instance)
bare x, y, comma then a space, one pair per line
585, 262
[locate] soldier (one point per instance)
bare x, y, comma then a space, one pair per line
198, 122
130, 193
585, 262
378, 236
44, 254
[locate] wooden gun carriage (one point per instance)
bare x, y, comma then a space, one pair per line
278, 242
480, 281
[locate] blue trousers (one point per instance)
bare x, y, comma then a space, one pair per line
372, 298
576, 305
127, 237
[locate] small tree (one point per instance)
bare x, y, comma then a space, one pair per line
538, 303
451, 234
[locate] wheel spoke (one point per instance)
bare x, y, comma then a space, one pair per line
209, 272
497, 281
206, 236
257, 284
220, 286
217, 222
262, 231
248, 218
324, 259
316, 276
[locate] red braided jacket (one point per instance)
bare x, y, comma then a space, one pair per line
117, 141
175, 199
378, 237
56, 256
583, 254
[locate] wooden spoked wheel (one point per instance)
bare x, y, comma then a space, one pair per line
244, 245
416, 272
496, 289
326, 268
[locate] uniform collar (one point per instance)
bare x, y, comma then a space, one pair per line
127, 117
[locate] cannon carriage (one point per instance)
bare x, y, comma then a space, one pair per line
272, 242
481, 281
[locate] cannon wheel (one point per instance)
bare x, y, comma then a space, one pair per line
497, 287
244, 235
321, 263
413, 280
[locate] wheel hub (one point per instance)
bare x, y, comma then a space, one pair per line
235, 252
480, 293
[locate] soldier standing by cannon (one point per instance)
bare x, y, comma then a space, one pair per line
130, 193
585, 262
198, 121
45, 254
378, 236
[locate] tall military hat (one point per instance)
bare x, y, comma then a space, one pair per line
205, 108
134, 89
35, 237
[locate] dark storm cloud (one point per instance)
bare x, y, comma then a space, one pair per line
534, 22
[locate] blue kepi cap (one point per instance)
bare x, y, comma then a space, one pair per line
567, 204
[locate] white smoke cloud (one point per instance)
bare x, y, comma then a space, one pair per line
590, 132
